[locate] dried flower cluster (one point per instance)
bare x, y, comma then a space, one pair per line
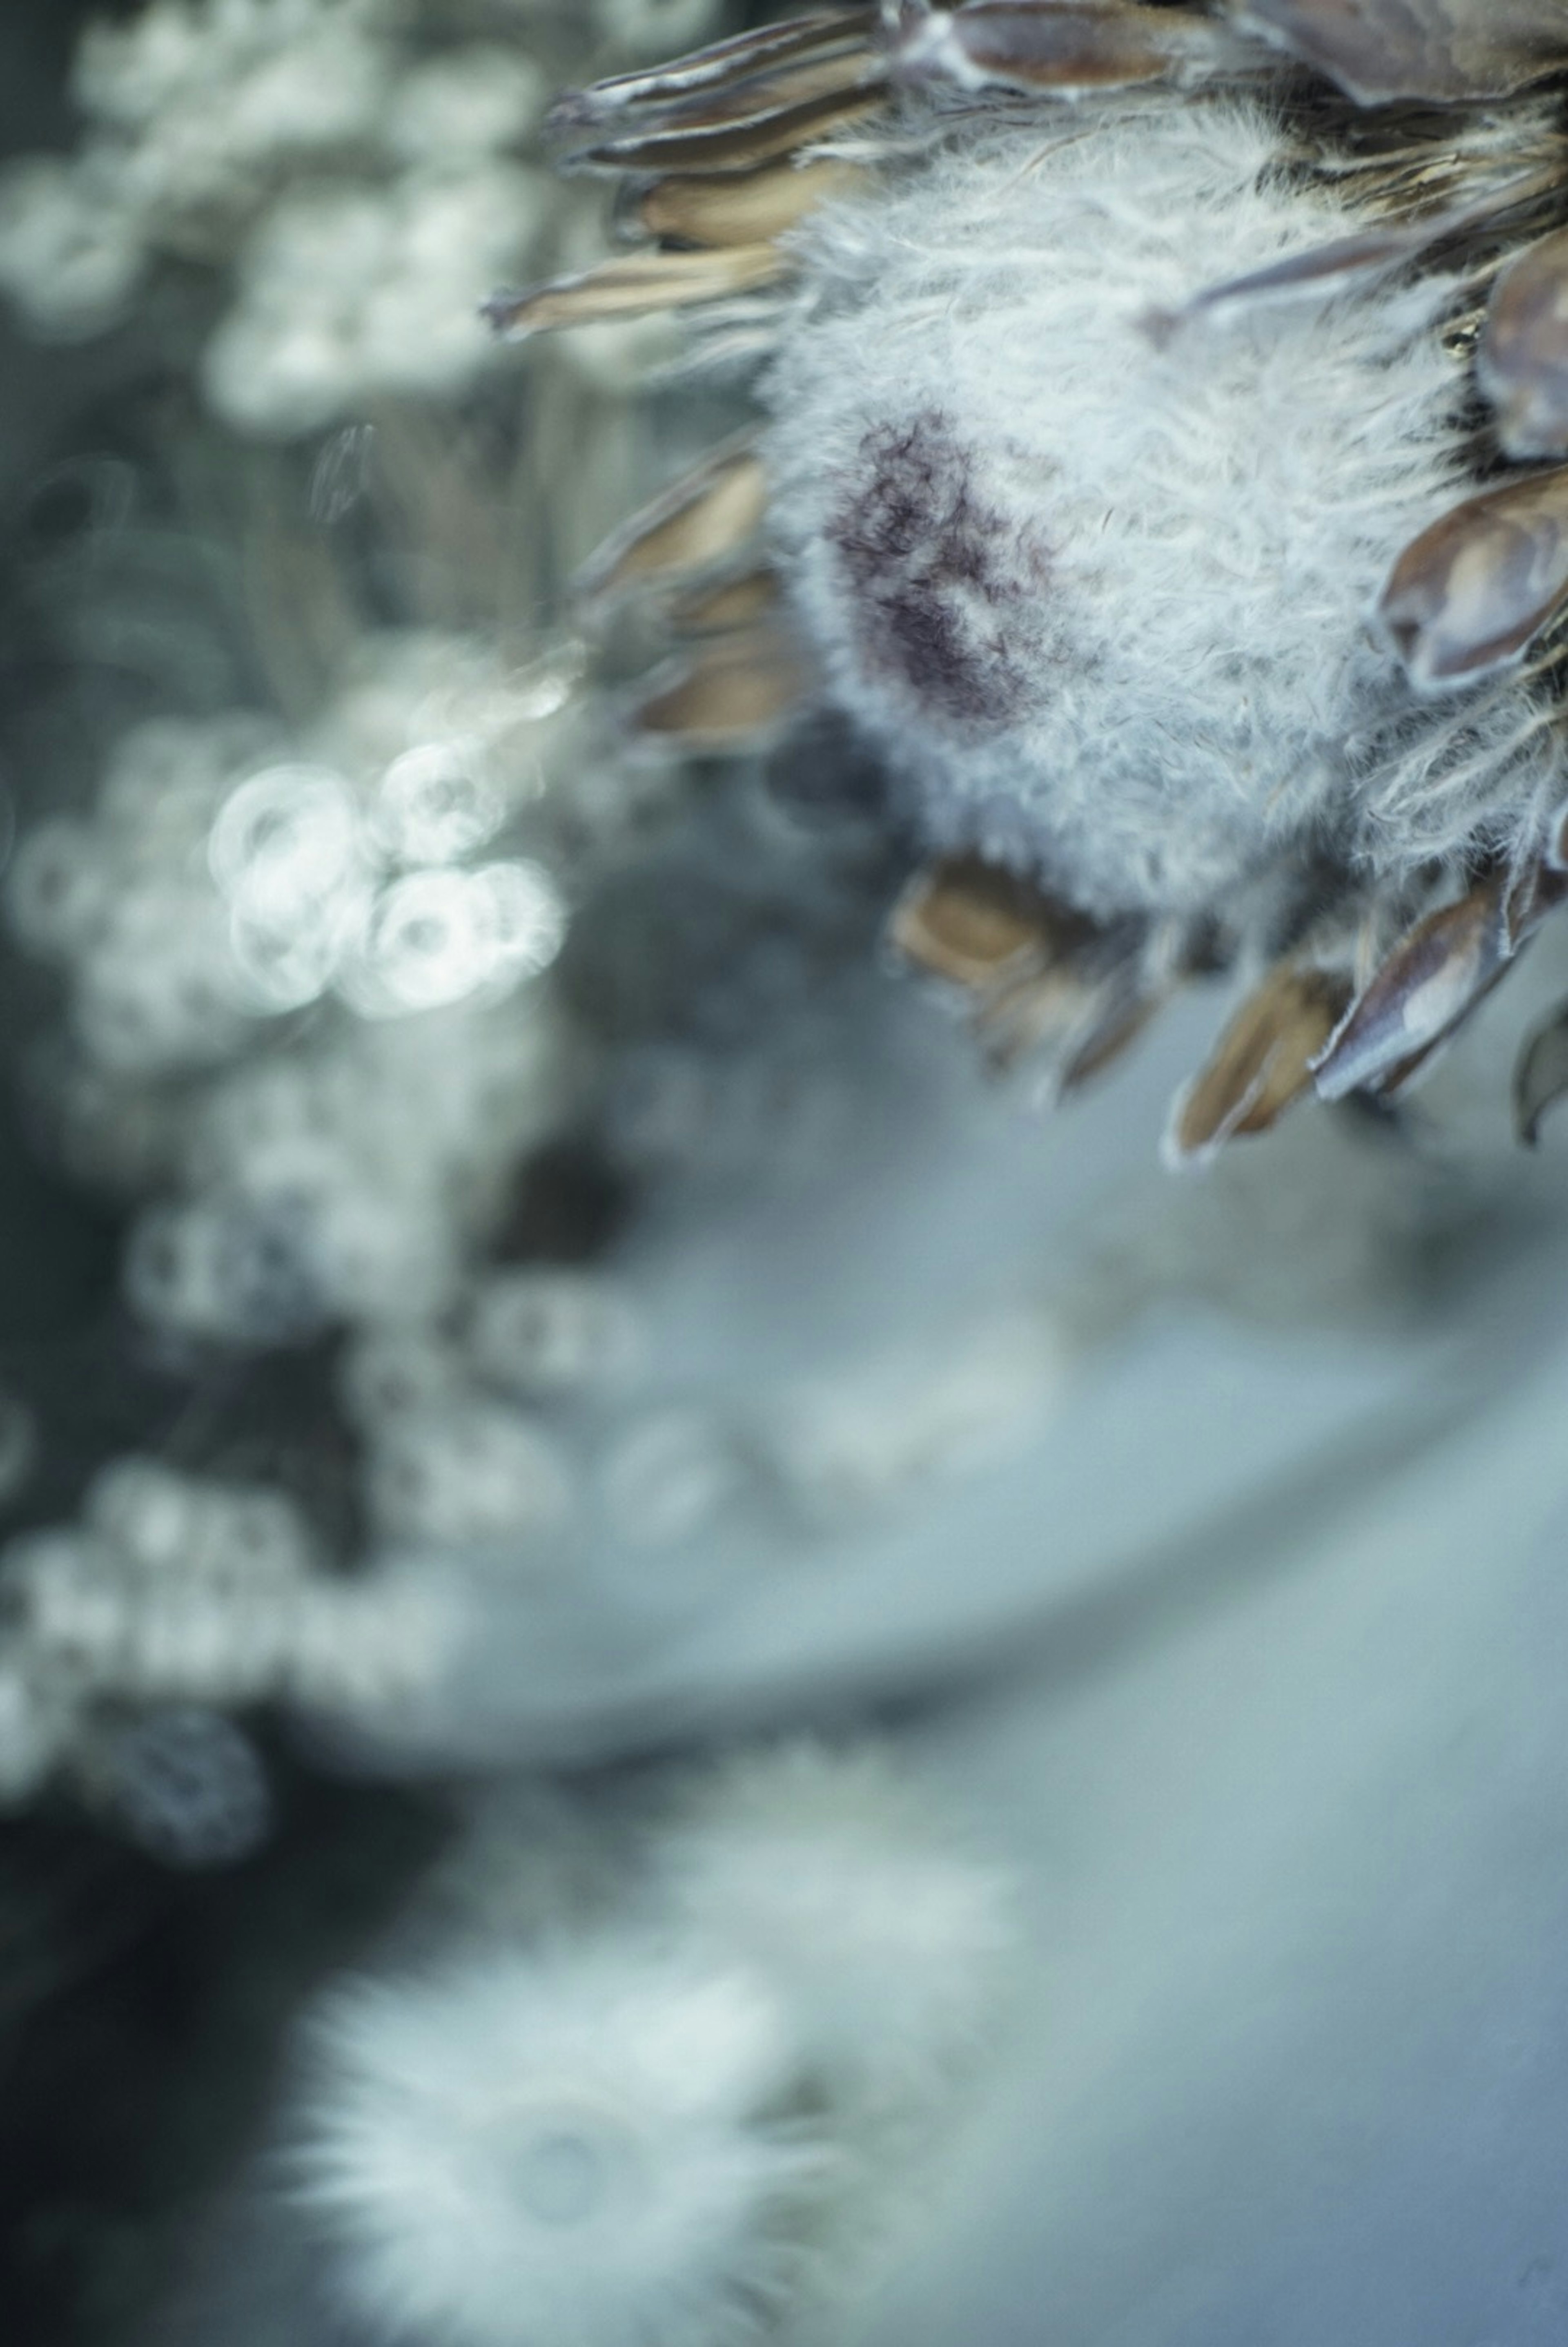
228, 881
1140, 390
174, 1591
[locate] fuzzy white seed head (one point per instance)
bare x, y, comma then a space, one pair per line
569, 2150
1102, 591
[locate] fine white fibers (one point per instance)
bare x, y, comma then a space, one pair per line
1102, 592
570, 2150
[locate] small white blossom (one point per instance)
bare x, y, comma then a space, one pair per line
466, 1470
70, 257
349, 292
550, 1331
575, 2147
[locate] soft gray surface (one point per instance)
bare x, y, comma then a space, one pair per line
1295, 2063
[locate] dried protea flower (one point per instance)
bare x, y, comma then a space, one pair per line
1161, 463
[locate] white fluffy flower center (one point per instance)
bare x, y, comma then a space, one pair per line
1102, 594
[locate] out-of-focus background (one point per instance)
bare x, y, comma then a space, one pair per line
667, 1669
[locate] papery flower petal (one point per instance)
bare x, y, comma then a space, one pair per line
740, 207
739, 116
1522, 363
706, 74
732, 603
1377, 50
1262, 1063
1465, 598
1014, 45
730, 693
643, 283
979, 924
1436, 974
703, 518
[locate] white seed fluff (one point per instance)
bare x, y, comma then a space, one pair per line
1102, 594
560, 2150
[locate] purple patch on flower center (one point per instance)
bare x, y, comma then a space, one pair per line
936, 578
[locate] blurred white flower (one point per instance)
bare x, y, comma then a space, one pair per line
224, 879
874, 1434
354, 158
440, 937
471, 102
223, 1532
286, 853
575, 2148
387, 1373
158, 989
364, 1647
184, 1783
436, 802
348, 293
70, 256
175, 1597
466, 1470
541, 1329
653, 29
58, 888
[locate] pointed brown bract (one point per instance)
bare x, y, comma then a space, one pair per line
981, 925
1378, 50
702, 521
1332, 265
765, 97
1348, 259
734, 692
1043, 978
740, 207
641, 283
1123, 1006
1466, 596
740, 149
1537, 889
1435, 977
1541, 1075
1262, 1063
731, 603
710, 71
1012, 45
731, 122
1036, 1015
1523, 361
